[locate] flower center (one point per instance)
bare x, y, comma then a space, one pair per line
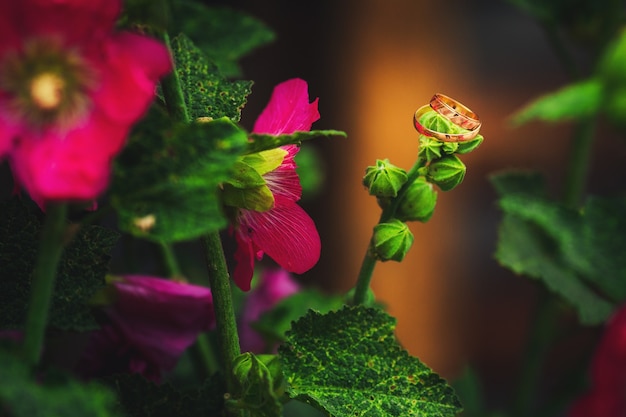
46, 84
47, 90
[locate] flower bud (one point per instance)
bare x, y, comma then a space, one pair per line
430, 148
391, 241
384, 179
469, 145
418, 204
446, 172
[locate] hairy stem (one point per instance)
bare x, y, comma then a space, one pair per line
228, 338
50, 249
369, 261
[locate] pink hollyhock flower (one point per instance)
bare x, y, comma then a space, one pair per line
285, 232
70, 89
149, 325
274, 285
607, 396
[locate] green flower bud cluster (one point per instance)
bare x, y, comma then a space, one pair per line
444, 168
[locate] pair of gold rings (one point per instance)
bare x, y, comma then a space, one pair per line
455, 112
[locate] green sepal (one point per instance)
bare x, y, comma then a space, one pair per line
468, 146
261, 385
243, 175
391, 241
349, 361
265, 161
262, 142
384, 179
446, 172
418, 203
430, 148
258, 198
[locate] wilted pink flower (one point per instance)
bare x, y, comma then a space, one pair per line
607, 396
285, 232
274, 285
149, 325
70, 89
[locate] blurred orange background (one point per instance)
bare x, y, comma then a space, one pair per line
372, 63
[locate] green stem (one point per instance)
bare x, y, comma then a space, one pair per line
542, 334
173, 92
170, 261
369, 261
579, 161
228, 338
50, 249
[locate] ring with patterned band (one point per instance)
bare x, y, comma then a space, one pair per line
445, 137
454, 111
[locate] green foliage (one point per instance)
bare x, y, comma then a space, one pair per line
310, 170
349, 363
576, 101
166, 181
263, 142
23, 396
224, 35
139, 397
274, 324
580, 254
81, 270
206, 92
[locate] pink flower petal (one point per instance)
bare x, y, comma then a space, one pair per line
72, 21
69, 166
288, 110
160, 318
129, 72
244, 260
286, 234
284, 182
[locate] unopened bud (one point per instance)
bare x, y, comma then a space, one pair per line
469, 145
391, 241
384, 179
446, 172
418, 204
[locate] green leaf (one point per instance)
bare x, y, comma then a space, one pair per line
579, 254
576, 101
207, 93
274, 324
21, 396
224, 34
524, 248
349, 362
310, 169
81, 270
262, 142
166, 181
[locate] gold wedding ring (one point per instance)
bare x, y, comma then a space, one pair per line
443, 136
454, 111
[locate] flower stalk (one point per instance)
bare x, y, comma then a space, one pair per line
219, 279
369, 261
50, 249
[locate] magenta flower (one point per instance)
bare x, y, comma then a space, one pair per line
274, 285
149, 325
606, 397
70, 89
285, 232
